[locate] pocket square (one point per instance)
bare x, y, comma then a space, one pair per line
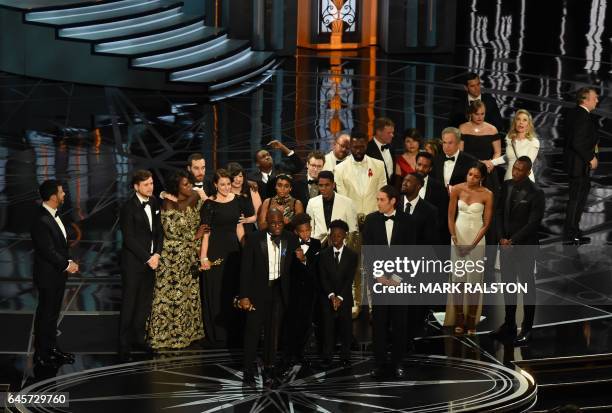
157, 212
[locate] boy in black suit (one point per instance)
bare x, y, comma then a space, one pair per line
140, 222
304, 274
51, 265
337, 266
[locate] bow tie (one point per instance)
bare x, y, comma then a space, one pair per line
390, 217
312, 181
145, 203
386, 146
305, 242
450, 158
56, 215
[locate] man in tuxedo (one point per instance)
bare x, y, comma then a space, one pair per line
473, 92
265, 285
196, 166
267, 171
339, 152
580, 158
140, 222
330, 206
359, 178
452, 165
380, 146
52, 263
337, 266
305, 190
423, 215
434, 192
519, 214
388, 227
304, 279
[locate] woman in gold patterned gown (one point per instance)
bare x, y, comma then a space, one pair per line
176, 314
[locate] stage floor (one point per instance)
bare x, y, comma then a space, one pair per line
93, 137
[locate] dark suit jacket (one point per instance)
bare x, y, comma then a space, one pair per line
306, 275
463, 163
493, 116
137, 234
338, 281
375, 233
424, 221
580, 141
520, 222
373, 152
299, 190
50, 250
437, 195
292, 165
254, 272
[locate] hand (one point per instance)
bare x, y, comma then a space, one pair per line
203, 229
253, 186
505, 242
275, 144
299, 253
593, 163
202, 194
246, 305
336, 303
153, 261
73, 267
489, 165
242, 219
205, 265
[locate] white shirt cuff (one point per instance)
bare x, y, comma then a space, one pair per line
69, 262
331, 295
499, 161
290, 153
340, 298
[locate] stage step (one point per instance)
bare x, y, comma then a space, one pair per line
202, 53
100, 12
167, 40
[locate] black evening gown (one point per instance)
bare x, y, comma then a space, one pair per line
221, 283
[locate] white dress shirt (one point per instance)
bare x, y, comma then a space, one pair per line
57, 219
362, 173
274, 259
149, 213
423, 189
449, 167
387, 157
471, 99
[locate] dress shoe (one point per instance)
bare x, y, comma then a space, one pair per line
504, 331
399, 372
248, 377
66, 358
523, 339
377, 373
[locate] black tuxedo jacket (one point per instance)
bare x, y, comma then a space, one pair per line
299, 190
520, 222
137, 235
424, 222
580, 141
292, 165
307, 274
338, 280
373, 152
50, 250
463, 163
375, 233
254, 272
493, 116
437, 195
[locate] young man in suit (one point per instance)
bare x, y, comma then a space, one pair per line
140, 222
434, 192
52, 263
380, 147
580, 159
423, 215
340, 151
519, 214
305, 190
265, 282
329, 206
359, 178
473, 92
267, 171
388, 227
452, 165
304, 274
337, 266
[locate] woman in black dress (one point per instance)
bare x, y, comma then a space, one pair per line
251, 201
220, 262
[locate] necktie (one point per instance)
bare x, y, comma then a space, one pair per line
390, 217
145, 203
386, 146
409, 208
337, 257
275, 239
450, 158
305, 243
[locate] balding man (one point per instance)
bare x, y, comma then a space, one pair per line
341, 149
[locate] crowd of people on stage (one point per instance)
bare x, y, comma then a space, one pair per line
222, 256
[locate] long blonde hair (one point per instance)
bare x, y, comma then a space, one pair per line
531, 134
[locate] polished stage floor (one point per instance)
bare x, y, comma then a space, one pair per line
530, 55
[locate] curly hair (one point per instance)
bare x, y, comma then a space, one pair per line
175, 181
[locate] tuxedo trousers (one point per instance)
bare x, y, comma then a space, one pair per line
383, 318
518, 263
136, 300
47, 313
579, 188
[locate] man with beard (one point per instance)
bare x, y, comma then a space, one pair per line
340, 151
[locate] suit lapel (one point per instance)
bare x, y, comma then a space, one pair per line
283, 254
263, 244
55, 226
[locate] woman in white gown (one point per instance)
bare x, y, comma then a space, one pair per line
472, 204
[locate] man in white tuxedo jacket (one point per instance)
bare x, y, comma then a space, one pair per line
359, 178
329, 206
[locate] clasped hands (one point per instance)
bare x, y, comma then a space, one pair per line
245, 304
